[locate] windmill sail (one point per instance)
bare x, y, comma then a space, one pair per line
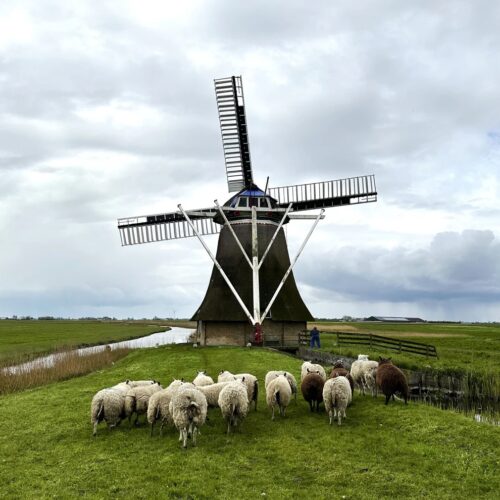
233, 124
325, 194
168, 226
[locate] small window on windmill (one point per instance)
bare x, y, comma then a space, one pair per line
243, 202
254, 202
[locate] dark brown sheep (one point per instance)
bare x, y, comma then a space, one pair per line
390, 379
338, 370
312, 390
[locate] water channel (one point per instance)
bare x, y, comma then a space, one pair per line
175, 335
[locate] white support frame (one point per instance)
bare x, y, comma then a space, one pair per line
255, 264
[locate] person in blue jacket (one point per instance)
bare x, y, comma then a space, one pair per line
315, 337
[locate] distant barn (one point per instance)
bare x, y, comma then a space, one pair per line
395, 319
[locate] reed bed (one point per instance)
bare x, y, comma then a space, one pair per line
67, 365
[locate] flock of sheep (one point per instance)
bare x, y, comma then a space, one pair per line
185, 404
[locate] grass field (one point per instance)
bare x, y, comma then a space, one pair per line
460, 347
413, 451
23, 339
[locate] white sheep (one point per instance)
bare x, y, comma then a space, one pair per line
188, 408
362, 372
202, 379
278, 393
369, 373
291, 380
137, 399
233, 403
308, 367
225, 376
137, 383
251, 382
108, 404
158, 406
212, 393
337, 396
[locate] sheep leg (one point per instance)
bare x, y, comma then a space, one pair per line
184, 438
161, 427
387, 398
180, 435
311, 405
339, 417
330, 414
152, 427
195, 432
229, 426
94, 433
272, 418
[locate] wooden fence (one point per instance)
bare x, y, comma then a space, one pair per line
378, 341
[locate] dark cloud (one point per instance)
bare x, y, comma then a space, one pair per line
454, 267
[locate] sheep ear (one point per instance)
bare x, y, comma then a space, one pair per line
307, 370
243, 379
182, 379
127, 381
284, 374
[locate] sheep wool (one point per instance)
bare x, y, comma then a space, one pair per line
188, 408
158, 406
137, 399
202, 379
291, 380
312, 390
225, 376
108, 405
233, 403
278, 393
362, 373
339, 370
308, 367
212, 393
390, 379
337, 395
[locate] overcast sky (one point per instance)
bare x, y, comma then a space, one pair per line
108, 110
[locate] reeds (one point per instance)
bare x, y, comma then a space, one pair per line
66, 365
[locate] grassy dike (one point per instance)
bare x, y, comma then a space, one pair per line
47, 448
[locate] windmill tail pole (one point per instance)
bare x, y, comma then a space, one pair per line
280, 286
224, 275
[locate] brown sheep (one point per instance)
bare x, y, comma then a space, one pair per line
338, 370
390, 379
312, 390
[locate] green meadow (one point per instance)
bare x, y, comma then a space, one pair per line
47, 449
21, 339
461, 347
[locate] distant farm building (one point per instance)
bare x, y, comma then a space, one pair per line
395, 319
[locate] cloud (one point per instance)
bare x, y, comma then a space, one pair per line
108, 111
454, 267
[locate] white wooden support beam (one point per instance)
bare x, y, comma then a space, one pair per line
233, 233
274, 235
280, 286
224, 275
255, 268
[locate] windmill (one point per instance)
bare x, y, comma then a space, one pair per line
252, 280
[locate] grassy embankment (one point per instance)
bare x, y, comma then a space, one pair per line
21, 340
410, 451
461, 348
